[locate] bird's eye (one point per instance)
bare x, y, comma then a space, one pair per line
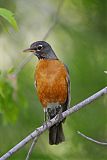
39, 47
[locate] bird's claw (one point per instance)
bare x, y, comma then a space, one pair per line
45, 124
59, 113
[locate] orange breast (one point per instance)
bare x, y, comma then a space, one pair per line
51, 82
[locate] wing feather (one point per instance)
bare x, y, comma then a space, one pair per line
68, 100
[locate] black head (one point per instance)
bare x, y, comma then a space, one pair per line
42, 50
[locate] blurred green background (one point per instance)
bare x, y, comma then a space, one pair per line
80, 40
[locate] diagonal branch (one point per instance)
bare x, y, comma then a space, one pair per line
53, 121
56, 17
22, 64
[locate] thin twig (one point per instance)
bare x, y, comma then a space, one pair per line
91, 139
31, 148
22, 64
27, 59
55, 21
53, 121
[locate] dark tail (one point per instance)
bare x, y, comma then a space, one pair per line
56, 134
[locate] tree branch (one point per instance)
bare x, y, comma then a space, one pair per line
91, 139
53, 121
21, 65
56, 17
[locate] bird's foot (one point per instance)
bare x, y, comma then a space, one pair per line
52, 111
45, 124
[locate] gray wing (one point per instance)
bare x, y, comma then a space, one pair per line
67, 102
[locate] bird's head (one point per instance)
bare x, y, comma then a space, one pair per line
42, 50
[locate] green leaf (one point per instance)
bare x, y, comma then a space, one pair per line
1, 93
9, 16
10, 70
105, 72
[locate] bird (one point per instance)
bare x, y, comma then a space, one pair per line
52, 82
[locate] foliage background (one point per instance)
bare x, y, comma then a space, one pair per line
79, 39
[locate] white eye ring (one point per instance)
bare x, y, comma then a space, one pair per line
39, 47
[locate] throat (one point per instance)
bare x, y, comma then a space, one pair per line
48, 55
54, 57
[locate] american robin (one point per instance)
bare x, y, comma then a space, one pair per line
53, 86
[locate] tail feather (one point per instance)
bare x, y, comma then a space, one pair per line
56, 134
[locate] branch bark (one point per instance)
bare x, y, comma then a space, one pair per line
53, 121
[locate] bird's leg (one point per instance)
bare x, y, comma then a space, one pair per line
48, 113
45, 117
51, 112
59, 113
54, 110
